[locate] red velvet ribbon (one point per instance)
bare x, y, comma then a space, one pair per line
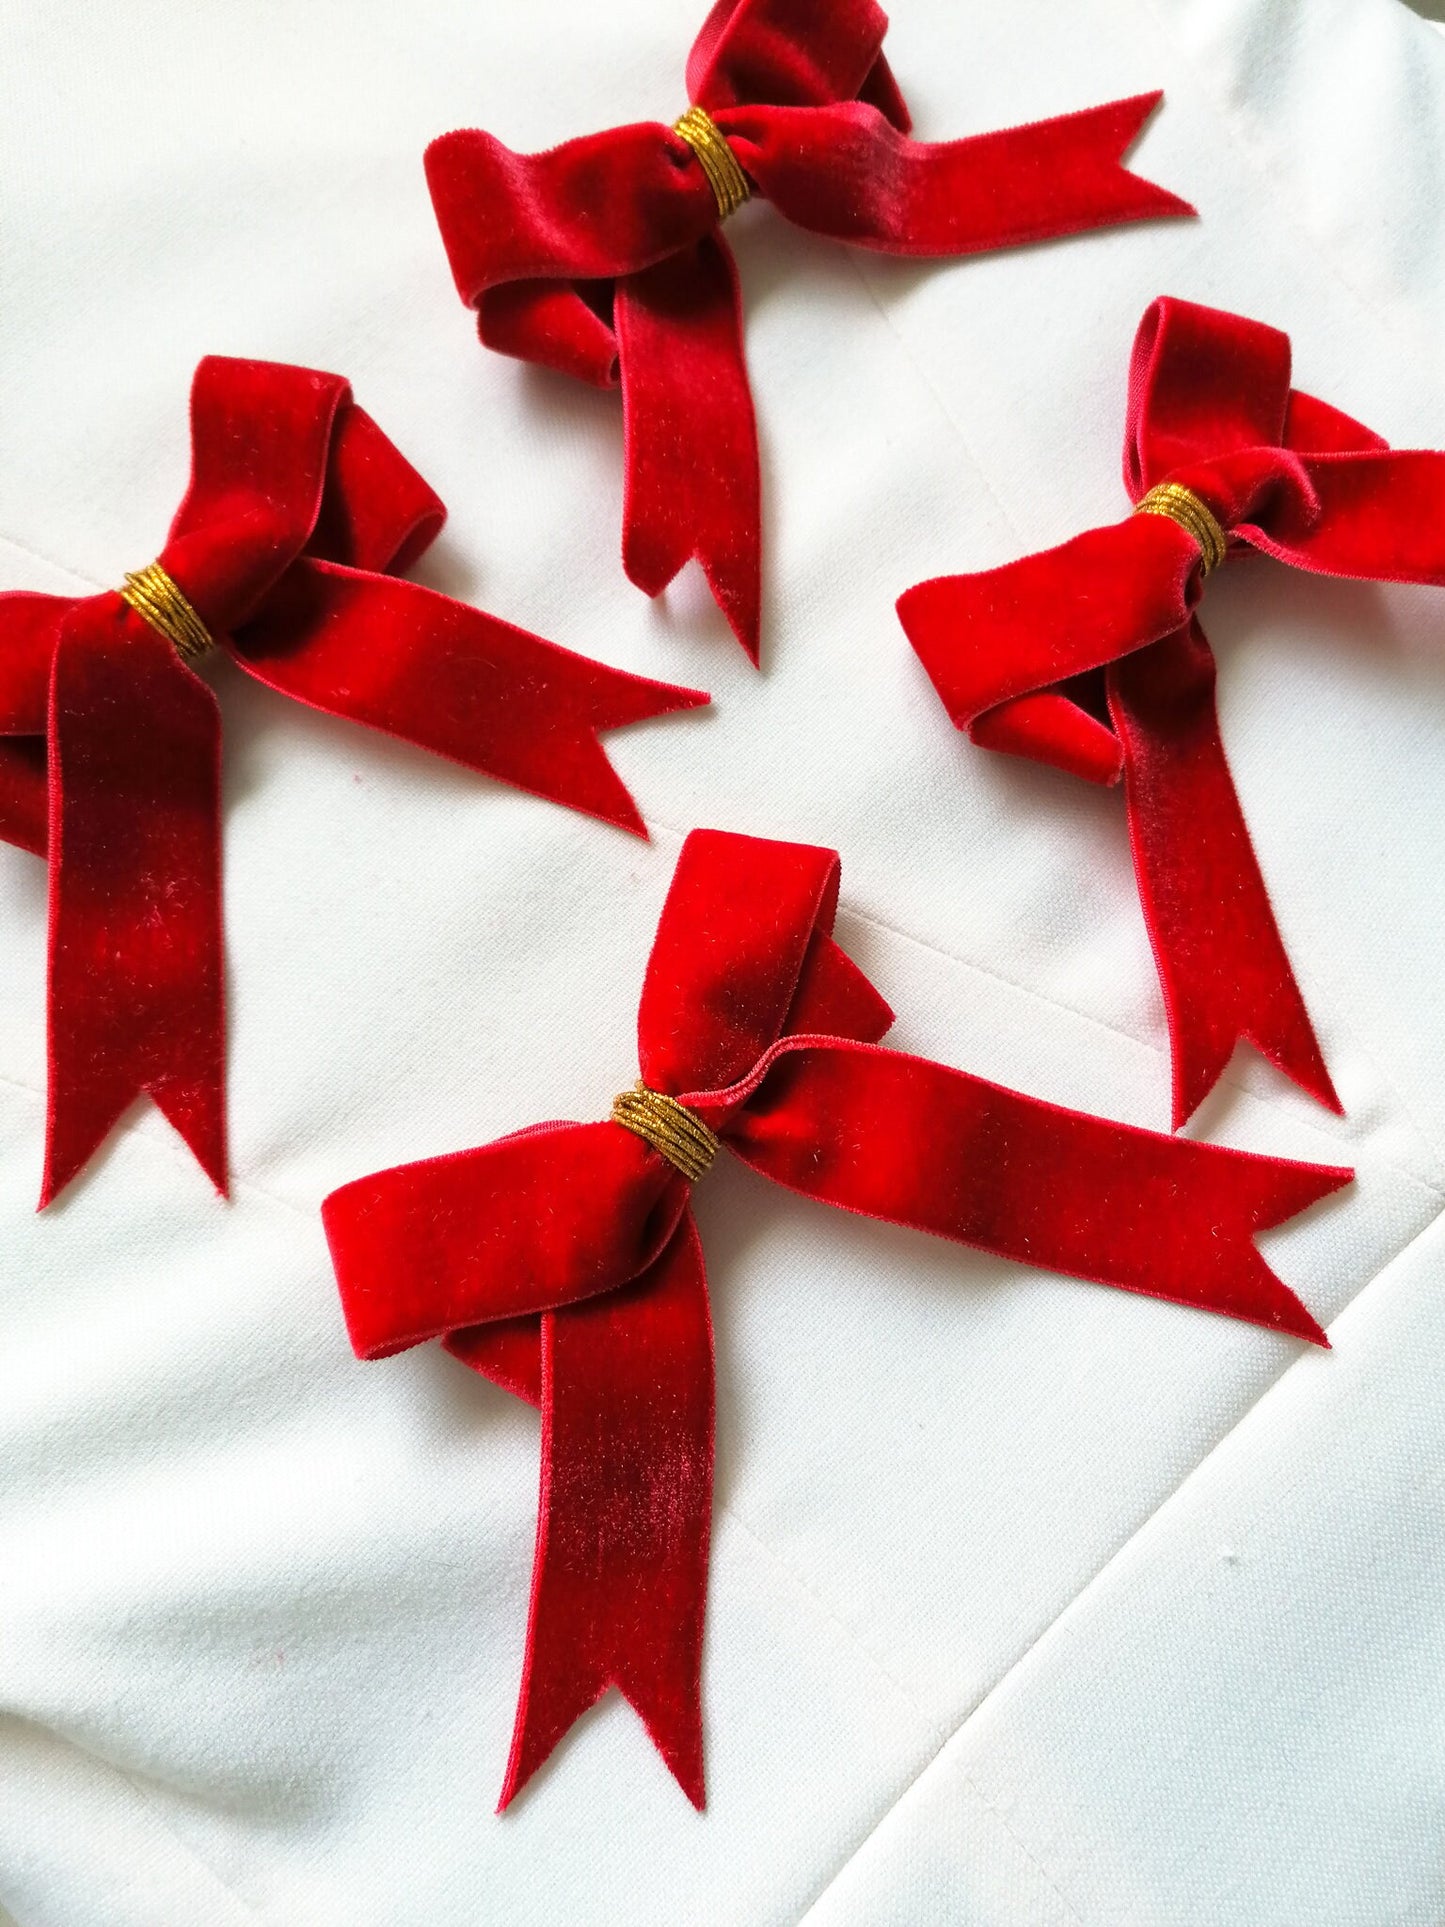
564, 1262
602, 258
298, 515
1091, 656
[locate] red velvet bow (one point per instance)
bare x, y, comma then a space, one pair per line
1090, 656
564, 1262
298, 509
602, 258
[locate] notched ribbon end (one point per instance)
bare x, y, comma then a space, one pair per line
677, 1739
636, 699
75, 1134
1302, 1324
652, 560
1133, 115
1316, 1335
1303, 1063
1294, 1188
1202, 1052
741, 608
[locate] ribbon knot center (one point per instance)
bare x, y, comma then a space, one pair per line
1192, 514
669, 1127
729, 184
158, 599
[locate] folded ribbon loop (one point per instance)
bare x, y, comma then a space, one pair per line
1091, 657
602, 259
298, 513
564, 1263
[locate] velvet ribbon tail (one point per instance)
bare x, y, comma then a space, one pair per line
1222, 964
563, 1264
693, 487
136, 983
624, 1517
442, 674
846, 171
915, 1143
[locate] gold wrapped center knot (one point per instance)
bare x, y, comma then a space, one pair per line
725, 176
669, 1127
1193, 514
158, 599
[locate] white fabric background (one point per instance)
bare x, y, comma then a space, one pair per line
1031, 1602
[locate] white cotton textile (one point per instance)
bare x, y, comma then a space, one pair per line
1031, 1602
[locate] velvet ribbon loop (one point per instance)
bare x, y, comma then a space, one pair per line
1091, 656
564, 1262
283, 553
602, 258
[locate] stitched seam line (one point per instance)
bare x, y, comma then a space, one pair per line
1002, 1820
940, 1733
168, 1140
1072, 1605
49, 562
146, 1796
183, 1847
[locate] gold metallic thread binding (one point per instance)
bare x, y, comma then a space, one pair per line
159, 600
1192, 514
725, 176
669, 1127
